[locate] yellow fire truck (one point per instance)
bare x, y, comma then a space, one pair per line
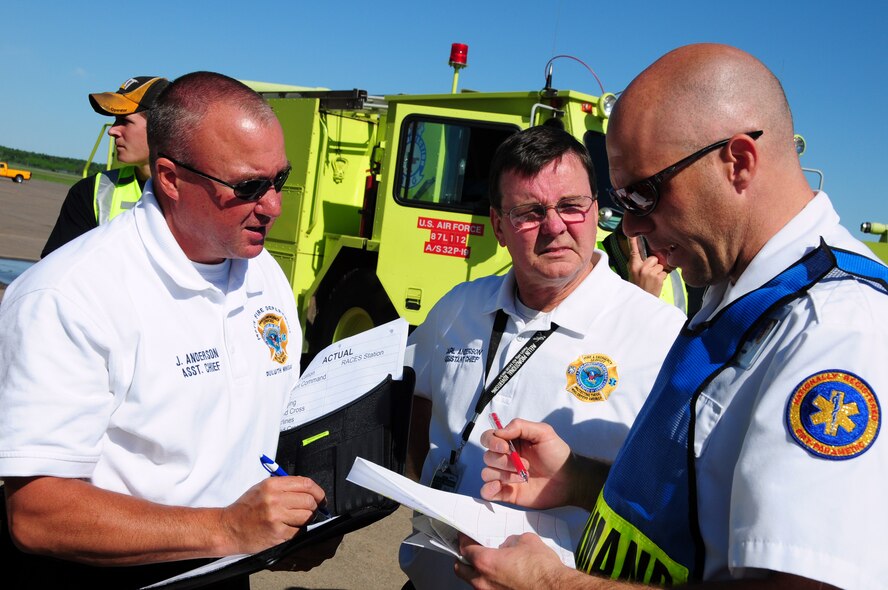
386, 207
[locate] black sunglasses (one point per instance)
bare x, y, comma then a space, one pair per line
641, 198
245, 190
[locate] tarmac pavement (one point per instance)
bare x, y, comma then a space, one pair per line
366, 559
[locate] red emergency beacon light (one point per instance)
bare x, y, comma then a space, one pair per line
459, 53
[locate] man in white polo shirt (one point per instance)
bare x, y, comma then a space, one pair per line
146, 365
596, 341
757, 460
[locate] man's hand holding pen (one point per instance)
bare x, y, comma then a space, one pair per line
276, 470
556, 477
269, 513
544, 455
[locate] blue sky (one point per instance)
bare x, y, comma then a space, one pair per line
831, 57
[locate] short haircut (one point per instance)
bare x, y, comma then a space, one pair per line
529, 151
183, 105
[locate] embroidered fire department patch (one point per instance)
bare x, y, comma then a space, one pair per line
273, 330
834, 414
592, 377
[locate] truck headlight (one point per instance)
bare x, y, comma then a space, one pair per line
800, 144
606, 104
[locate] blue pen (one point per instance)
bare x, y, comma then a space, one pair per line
275, 469
272, 467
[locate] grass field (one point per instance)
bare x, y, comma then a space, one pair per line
59, 177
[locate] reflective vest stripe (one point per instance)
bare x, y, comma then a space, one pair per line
115, 191
612, 547
678, 291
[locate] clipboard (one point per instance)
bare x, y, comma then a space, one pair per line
374, 426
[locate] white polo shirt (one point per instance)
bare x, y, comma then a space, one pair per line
605, 321
121, 364
765, 500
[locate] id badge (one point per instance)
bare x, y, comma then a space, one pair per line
446, 477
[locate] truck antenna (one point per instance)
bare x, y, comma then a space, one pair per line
549, 66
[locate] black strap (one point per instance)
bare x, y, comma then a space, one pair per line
509, 371
499, 326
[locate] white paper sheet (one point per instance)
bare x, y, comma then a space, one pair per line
345, 370
435, 535
487, 523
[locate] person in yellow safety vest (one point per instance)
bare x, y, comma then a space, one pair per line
630, 259
99, 198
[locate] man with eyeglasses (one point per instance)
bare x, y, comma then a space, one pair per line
559, 338
146, 365
757, 458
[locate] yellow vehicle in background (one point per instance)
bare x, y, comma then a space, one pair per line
16, 175
386, 206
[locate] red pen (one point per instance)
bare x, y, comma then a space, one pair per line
513, 454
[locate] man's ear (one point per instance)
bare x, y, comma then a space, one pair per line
742, 154
166, 178
495, 220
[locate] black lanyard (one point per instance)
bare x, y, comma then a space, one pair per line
509, 371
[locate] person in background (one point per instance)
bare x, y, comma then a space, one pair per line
145, 366
757, 461
592, 343
99, 198
630, 259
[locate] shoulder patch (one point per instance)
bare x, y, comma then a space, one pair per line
834, 414
592, 377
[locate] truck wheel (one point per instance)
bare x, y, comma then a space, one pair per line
356, 304
18, 178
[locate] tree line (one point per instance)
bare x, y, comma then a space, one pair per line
28, 160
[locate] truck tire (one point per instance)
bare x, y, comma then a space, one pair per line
357, 303
18, 178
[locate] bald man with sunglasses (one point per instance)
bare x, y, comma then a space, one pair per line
757, 461
146, 365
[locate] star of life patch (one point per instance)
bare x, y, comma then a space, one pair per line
834, 414
592, 377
